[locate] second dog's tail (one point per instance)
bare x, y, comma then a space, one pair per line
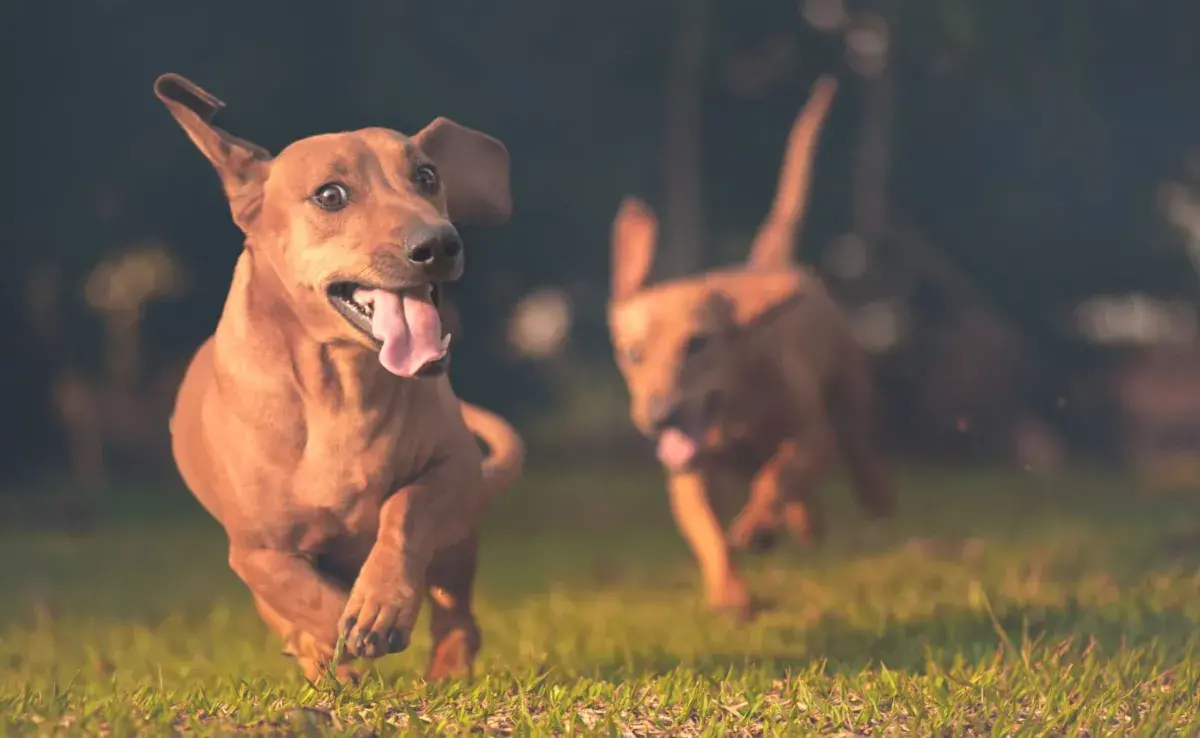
776, 238
505, 461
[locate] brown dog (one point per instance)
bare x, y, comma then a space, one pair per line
317, 424
747, 372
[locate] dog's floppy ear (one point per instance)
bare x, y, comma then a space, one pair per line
776, 238
241, 164
474, 168
634, 238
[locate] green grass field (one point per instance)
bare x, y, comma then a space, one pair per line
995, 604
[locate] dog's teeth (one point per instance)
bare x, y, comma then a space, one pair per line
363, 308
446, 342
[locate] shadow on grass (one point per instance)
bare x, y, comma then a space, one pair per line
936, 645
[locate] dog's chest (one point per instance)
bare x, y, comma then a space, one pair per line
760, 411
343, 478
757, 418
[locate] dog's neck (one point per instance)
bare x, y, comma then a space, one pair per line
262, 331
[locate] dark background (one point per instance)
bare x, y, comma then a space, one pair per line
1027, 141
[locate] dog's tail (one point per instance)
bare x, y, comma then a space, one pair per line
505, 461
776, 237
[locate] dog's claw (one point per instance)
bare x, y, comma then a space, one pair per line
732, 600
346, 631
397, 641
376, 629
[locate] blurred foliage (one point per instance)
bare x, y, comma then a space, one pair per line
1030, 140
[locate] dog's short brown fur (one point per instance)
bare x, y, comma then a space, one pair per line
747, 372
348, 494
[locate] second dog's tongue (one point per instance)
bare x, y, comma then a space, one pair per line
675, 448
409, 326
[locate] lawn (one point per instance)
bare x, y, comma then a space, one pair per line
994, 604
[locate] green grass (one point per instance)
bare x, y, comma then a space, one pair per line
995, 604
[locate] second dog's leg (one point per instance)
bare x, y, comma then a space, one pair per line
782, 494
694, 515
852, 410
803, 516
456, 636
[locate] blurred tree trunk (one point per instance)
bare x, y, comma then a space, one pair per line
873, 160
684, 198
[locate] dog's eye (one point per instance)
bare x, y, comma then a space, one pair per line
425, 177
696, 344
331, 196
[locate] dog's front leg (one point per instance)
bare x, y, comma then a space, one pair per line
294, 599
386, 597
756, 526
783, 491
724, 589
782, 494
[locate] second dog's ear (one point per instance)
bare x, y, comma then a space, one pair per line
475, 169
242, 165
634, 239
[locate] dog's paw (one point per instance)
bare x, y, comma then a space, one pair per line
763, 542
738, 537
375, 624
453, 654
758, 540
733, 600
803, 524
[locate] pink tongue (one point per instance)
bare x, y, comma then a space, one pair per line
675, 449
408, 325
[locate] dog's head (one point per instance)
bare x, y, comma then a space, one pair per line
682, 345
358, 226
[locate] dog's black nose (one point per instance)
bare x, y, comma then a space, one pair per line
437, 250
664, 412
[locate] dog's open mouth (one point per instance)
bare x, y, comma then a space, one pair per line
404, 324
680, 444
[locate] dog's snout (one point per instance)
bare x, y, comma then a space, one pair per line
663, 411
436, 250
